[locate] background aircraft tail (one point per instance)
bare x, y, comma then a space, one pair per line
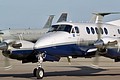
62, 18
49, 21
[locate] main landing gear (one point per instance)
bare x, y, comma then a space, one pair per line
39, 71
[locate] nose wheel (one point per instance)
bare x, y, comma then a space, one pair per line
39, 71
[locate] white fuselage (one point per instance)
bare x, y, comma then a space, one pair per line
87, 34
24, 34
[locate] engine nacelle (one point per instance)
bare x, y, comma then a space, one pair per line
106, 42
19, 50
3, 46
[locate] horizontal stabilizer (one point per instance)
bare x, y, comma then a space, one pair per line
115, 22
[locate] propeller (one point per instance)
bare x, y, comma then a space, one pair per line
7, 64
99, 43
5, 61
4, 45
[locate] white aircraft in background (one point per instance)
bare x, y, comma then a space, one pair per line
66, 39
29, 34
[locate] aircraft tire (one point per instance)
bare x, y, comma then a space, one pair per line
40, 73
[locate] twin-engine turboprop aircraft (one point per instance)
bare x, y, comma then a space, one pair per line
70, 39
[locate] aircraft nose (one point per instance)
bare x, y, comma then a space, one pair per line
43, 43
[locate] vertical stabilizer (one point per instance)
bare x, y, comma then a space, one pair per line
62, 18
49, 21
98, 17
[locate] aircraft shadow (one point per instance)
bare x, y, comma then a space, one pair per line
25, 75
84, 71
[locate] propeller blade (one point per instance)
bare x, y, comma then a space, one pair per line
118, 45
7, 65
96, 58
1, 39
98, 42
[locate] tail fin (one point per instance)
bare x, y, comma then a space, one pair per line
49, 21
62, 18
98, 17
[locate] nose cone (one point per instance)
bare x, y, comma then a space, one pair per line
50, 39
41, 43
44, 41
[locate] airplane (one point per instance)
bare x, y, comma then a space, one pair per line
66, 39
15, 38
79, 40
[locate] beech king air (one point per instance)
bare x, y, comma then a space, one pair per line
70, 39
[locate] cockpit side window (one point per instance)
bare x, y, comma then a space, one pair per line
66, 28
77, 29
53, 28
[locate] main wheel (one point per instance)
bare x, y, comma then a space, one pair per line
40, 73
34, 72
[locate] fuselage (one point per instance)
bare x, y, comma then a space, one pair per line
80, 33
75, 39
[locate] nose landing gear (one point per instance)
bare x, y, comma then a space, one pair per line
39, 71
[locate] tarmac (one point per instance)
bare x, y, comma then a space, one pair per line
79, 69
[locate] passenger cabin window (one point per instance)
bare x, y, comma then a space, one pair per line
106, 31
88, 30
101, 30
92, 29
66, 28
96, 29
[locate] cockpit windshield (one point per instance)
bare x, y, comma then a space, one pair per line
66, 28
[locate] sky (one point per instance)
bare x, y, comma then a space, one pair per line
17, 14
